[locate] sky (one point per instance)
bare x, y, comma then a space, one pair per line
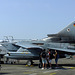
34, 19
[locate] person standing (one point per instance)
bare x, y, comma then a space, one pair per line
44, 57
56, 55
50, 58
40, 60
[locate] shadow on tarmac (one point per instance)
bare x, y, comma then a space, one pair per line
3, 73
69, 65
60, 66
55, 65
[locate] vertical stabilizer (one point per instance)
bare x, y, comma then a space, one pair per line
68, 32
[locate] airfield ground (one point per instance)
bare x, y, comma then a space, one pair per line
66, 67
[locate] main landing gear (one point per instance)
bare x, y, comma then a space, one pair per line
29, 62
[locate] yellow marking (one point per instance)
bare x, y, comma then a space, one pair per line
26, 65
22, 53
69, 67
52, 73
27, 72
26, 53
72, 67
29, 66
32, 65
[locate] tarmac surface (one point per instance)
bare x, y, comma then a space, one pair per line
66, 67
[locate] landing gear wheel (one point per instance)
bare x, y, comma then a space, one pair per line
29, 62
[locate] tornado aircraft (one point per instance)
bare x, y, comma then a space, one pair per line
63, 42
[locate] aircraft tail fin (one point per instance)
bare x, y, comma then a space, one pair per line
69, 31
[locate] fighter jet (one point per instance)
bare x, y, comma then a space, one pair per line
7, 46
29, 50
3, 50
63, 41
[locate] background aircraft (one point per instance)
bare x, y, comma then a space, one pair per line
3, 50
64, 42
6, 46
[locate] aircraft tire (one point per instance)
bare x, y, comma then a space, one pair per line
29, 62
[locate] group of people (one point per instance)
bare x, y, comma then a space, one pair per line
46, 58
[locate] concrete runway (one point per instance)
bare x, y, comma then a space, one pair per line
66, 67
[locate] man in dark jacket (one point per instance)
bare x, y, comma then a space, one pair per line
43, 57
